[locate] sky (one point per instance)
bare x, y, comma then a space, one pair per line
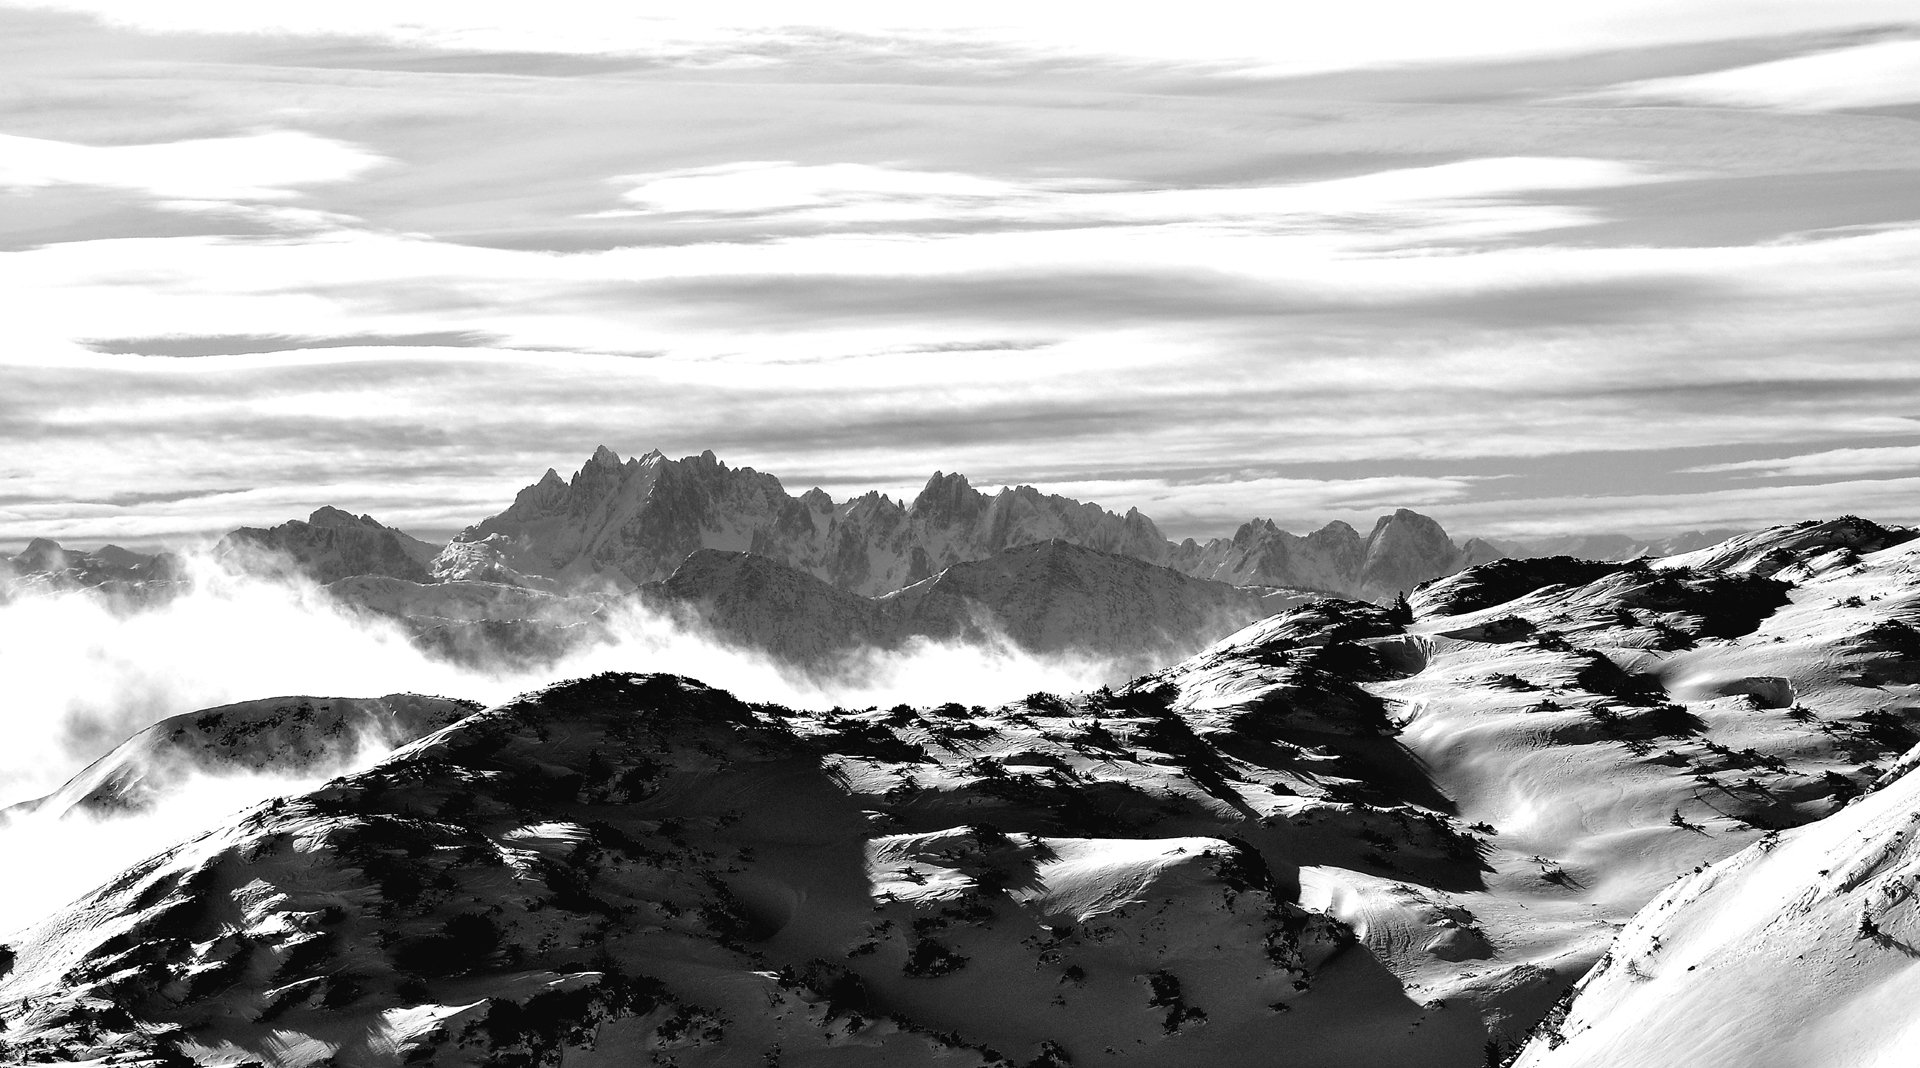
1634, 268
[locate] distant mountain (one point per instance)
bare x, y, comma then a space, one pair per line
43, 564
1403, 550
634, 522
1610, 546
331, 545
1045, 597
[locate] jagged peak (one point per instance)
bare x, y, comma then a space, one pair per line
604, 457
328, 516
945, 493
1253, 528
943, 481
1405, 518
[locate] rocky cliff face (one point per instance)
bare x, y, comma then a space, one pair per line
332, 544
633, 522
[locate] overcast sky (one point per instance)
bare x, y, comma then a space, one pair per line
1636, 267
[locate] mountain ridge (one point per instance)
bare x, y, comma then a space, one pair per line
633, 521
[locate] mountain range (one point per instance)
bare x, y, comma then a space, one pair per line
632, 522
804, 579
1574, 812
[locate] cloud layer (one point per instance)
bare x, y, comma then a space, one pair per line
402, 262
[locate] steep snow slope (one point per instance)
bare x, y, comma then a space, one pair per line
1798, 952
332, 545
633, 522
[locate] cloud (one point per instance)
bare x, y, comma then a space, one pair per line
86, 671
1870, 75
1207, 33
761, 187
1829, 464
1893, 500
1474, 197
258, 167
981, 254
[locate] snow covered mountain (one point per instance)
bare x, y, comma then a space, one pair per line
332, 544
1356, 837
280, 734
633, 522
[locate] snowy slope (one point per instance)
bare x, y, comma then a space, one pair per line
1798, 952
280, 734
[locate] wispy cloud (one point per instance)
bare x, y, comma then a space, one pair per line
1831, 463
1287, 38
1861, 76
258, 167
970, 243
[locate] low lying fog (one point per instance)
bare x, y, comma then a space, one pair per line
84, 671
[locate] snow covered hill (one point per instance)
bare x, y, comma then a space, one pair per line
280, 734
1355, 835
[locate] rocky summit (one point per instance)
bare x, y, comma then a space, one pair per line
1540, 810
633, 522
332, 544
